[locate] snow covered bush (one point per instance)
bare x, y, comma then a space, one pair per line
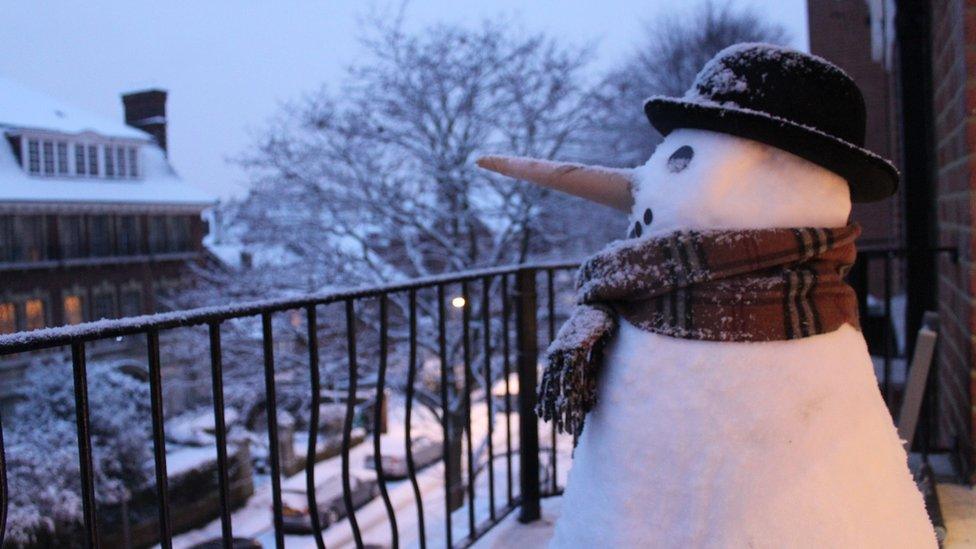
42, 453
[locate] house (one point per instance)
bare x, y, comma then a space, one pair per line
94, 221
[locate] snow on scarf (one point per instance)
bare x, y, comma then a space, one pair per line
746, 285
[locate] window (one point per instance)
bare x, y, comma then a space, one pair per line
157, 234
103, 305
62, 157
29, 238
79, 159
6, 238
70, 229
128, 235
73, 312
92, 159
48, 148
120, 158
34, 314
109, 162
131, 302
66, 157
33, 156
179, 234
100, 232
8, 318
133, 162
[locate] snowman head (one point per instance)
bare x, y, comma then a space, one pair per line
700, 179
766, 137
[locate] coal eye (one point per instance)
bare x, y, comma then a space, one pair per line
637, 230
680, 159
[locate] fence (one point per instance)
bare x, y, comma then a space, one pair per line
503, 291
488, 299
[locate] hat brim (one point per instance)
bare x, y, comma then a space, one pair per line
869, 176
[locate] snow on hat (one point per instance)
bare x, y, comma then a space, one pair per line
791, 100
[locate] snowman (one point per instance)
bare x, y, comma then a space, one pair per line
714, 355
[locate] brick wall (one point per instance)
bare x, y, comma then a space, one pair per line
954, 101
840, 32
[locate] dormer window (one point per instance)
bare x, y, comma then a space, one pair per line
133, 162
62, 157
33, 156
120, 158
109, 162
80, 168
48, 148
92, 160
85, 156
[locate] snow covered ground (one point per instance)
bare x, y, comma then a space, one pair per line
255, 519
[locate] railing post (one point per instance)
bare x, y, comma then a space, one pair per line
528, 358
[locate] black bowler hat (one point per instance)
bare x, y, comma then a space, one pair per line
788, 99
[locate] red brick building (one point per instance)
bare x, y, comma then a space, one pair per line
94, 221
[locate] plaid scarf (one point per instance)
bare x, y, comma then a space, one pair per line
751, 285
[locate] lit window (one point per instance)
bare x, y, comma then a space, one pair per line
62, 157
92, 159
109, 162
103, 306
33, 156
120, 158
72, 310
34, 314
8, 318
133, 162
48, 147
131, 302
79, 159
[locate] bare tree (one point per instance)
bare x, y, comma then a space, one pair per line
375, 181
675, 48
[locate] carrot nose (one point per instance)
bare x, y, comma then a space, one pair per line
607, 186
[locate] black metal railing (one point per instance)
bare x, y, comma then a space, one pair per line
501, 290
879, 278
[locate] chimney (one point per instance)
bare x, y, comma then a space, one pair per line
146, 110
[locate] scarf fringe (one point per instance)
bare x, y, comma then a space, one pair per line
568, 389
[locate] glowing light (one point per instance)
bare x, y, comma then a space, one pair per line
458, 302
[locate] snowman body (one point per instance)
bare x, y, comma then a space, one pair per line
741, 444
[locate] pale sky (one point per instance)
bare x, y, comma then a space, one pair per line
229, 64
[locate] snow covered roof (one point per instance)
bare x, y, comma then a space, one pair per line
157, 184
22, 107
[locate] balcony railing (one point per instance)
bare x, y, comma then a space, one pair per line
502, 304
504, 292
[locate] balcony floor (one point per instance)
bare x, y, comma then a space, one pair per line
512, 533
958, 503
